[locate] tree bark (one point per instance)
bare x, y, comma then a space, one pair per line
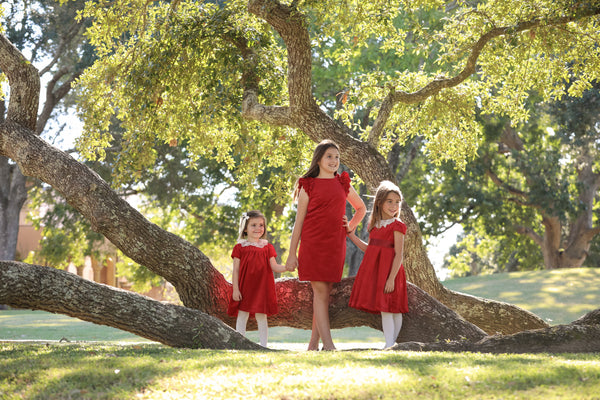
429, 326
53, 290
581, 336
12, 197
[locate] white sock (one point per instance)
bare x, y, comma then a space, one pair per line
263, 328
242, 320
397, 324
387, 324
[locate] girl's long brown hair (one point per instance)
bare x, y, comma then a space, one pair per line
385, 188
313, 170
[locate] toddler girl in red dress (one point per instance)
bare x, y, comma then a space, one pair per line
253, 281
380, 285
320, 231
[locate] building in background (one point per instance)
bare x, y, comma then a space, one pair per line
100, 271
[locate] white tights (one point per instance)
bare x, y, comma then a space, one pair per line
261, 321
391, 324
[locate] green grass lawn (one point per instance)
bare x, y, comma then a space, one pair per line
558, 296
27, 325
151, 371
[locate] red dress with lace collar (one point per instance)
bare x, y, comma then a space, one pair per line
367, 291
323, 239
256, 280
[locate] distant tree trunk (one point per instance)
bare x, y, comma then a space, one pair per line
354, 255
557, 251
12, 197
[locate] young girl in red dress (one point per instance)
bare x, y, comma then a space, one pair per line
253, 282
380, 285
320, 231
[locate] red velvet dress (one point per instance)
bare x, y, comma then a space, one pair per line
256, 280
323, 238
367, 292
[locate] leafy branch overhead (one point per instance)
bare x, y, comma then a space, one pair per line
182, 70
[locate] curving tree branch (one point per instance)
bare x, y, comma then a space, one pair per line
503, 185
469, 69
24, 85
44, 288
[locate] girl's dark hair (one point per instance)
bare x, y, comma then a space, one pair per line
313, 170
244, 223
385, 188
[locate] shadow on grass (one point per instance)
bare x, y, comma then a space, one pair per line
117, 372
75, 371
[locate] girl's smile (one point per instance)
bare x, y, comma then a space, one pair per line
390, 206
329, 163
255, 229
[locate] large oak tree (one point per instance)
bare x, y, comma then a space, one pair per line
184, 70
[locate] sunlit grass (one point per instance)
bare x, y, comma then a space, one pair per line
150, 371
558, 296
40, 325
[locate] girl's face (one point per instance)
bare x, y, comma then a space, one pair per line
255, 229
330, 162
390, 206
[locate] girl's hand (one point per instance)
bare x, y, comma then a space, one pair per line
389, 286
291, 263
237, 295
346, 224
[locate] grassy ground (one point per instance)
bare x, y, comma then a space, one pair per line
150, 371
558, 296
107, 363
27, 325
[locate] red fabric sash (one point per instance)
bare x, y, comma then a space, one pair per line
381, 243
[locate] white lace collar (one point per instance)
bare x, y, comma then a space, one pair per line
260, 244
384, 222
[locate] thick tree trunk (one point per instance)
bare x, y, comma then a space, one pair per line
53, 290
491, 316
428, 319
49, 289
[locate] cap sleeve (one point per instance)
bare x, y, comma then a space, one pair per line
306, 184
345, 181
272, 252
237, 251
399, 226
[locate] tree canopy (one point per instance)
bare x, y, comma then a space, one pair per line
180, 70
235, 75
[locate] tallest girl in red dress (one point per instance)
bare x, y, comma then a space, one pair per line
320, 230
